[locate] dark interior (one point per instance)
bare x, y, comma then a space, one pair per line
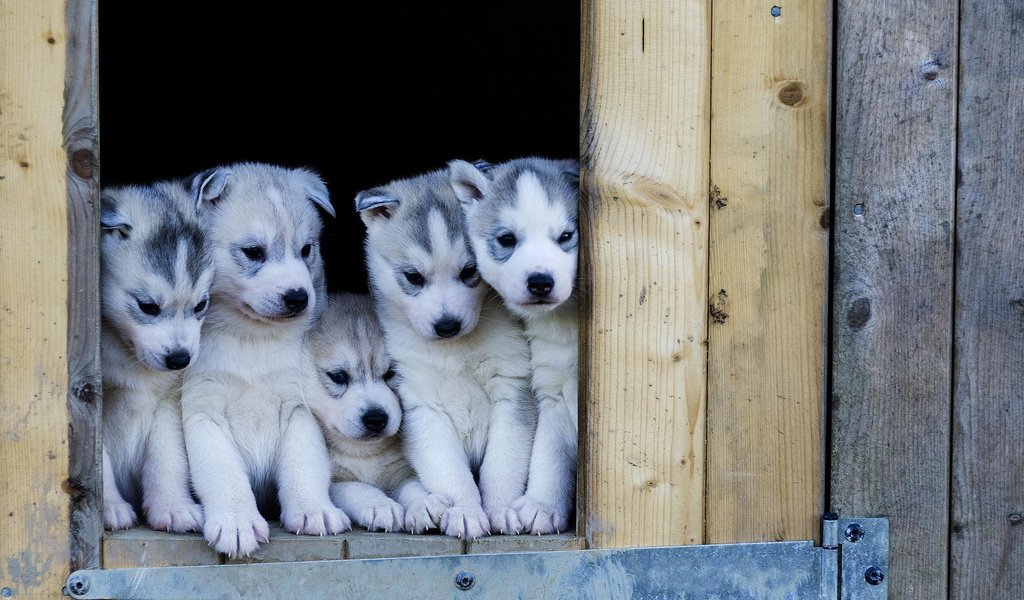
427, 82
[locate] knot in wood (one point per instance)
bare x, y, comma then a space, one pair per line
792, 93
82, 163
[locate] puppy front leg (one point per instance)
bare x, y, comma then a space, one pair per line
166, 498
233, 524
303, 473
436, 454
552, 484
117, 512
507, 458
423, 510
368, 506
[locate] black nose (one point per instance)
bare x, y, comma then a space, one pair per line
178, 359
540, 284
447, 327
295, 300
375, 420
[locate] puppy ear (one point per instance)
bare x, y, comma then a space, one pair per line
316, 191
376, 205
571, 169
469, 183
111, 219
208, 186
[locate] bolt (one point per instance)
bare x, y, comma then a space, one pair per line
464, 580
6, 592
776, 11
858, 209
854, 532
874, 576
78, 585
1015, 518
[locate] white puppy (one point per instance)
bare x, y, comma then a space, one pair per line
248, 429
354, 399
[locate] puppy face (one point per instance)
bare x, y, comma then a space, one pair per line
346, 347
419, 257
523, 219
265, 232
156, 272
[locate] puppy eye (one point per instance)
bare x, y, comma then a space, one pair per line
200, 307
306, 250
255, 253
150, 308
415, 278
506, 240
467, 274
389, 374
339, 377
566, 236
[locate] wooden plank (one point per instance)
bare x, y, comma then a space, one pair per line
525, 543
893, 270
143, 547
987, 545
644, 128
81, 133
768, 269
365, 544
33, 300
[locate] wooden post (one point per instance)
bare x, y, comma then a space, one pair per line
33, 300
644, 150
768, 269
892, 300
987, 544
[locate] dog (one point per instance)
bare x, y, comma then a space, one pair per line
355, 401
248, 429
464, 361
523, 220
156, 276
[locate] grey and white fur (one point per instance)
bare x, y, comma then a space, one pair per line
156, 276
353, 396
523, 220
248, 429
464, 362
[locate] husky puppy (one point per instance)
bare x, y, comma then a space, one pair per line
248, 429
464, 362
156, 276
523, 222
355, 401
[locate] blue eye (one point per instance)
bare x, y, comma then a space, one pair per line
339, 377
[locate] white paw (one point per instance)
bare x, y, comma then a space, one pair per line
466, 522
504, 520
387, 515
118, 515
326, 520
426, 512
236, 533
181, 516
539, 518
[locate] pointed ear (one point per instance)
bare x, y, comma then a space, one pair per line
375, 205
469, 183
316, 192
208, 186
571, 170
111, 219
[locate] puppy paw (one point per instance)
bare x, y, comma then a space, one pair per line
236, 533
539, 517
426, 512
387, 515
181, 517
466, 522
118, 515
504, 520
326, 520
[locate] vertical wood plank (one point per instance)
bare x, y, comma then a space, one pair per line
81, 139
768, 269
33, 300
644, 153
893, 272
987, 545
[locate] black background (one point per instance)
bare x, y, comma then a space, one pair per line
189, 85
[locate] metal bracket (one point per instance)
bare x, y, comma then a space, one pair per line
852, 564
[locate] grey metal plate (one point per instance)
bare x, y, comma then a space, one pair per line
864, 558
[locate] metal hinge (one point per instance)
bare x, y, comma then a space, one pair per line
851, 564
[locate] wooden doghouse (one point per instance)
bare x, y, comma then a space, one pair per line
804, 275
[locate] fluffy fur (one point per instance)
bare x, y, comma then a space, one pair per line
523, 222
156, 276
248, 429
469, 414
353, 396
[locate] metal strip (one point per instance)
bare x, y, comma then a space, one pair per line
864, 556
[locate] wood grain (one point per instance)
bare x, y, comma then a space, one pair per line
893, 274
768, 270
644, 128
987, 545
33, 300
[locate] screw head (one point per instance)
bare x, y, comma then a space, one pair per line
854, 532
6, 592
78, 585
464, 580
874, 576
